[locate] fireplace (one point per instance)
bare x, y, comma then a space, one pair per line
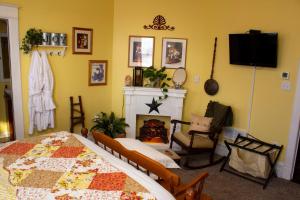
137, 98
148, 121
154, 131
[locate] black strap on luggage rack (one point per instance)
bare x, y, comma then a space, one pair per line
242, 142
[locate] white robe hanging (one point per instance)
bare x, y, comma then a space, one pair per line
41, 105
48, 104
35, 91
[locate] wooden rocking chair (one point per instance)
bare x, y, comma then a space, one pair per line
201, 142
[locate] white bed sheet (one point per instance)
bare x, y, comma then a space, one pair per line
151, 185
137, 145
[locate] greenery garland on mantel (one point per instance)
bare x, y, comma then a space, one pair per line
157, 78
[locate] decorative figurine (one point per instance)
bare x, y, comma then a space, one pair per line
128, 80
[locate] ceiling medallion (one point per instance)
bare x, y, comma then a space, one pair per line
159, 23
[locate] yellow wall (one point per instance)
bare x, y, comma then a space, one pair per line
200, 22
70, 72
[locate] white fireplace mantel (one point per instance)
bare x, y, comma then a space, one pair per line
136, 99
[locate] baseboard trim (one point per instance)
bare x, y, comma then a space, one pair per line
282, 171
280, 168
221, 150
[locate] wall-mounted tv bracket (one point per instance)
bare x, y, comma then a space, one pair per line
252, 31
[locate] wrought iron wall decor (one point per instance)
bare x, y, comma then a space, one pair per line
159, 23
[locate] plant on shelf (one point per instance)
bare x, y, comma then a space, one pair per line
32, 38
110, 125
157, 78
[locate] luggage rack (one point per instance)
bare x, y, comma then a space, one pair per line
245, 143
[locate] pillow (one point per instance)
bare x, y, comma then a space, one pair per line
199, 123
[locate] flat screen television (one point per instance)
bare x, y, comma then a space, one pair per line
253, 49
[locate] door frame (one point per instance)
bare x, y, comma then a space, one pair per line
293, 143
10, 13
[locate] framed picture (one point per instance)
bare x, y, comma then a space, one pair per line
97, 72
138, 76
141, 51
82, 40
174, 52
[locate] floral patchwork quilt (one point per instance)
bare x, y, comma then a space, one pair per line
58, 166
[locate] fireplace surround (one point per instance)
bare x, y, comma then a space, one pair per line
137, 98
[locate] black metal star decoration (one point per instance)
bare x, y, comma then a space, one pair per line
153, 106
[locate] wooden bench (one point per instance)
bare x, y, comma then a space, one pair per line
168, 179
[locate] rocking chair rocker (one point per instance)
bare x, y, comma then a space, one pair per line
195, 142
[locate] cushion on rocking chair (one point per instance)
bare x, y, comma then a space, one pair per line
199, 141
199, 123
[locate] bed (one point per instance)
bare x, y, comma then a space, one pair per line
142, 161
67, 166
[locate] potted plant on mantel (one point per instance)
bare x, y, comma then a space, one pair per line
110, 125
157, 78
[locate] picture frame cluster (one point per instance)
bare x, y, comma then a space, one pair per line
82, 43
141, 52
140, 55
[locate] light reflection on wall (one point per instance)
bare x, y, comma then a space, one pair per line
4, 132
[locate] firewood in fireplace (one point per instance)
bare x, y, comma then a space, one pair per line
152, 129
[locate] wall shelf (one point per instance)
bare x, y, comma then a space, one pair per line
51, 52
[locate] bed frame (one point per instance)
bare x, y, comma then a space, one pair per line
168, 179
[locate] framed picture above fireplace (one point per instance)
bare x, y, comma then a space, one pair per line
174, 52
141, 51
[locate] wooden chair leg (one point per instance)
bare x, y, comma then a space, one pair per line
209, 163
84, 132
71, 114
211, 157
81, 111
